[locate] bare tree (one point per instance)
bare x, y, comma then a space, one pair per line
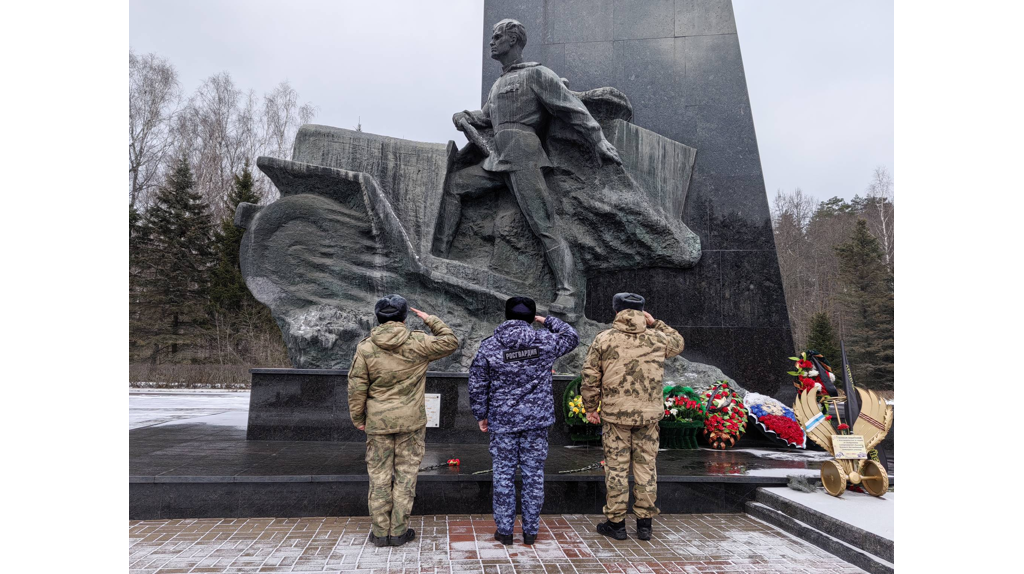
153, 96
796, 205
881, 211
282, 117
791, 215
221, 127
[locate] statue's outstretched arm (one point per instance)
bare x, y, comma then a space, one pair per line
562, 103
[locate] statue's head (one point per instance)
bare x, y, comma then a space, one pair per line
509, 36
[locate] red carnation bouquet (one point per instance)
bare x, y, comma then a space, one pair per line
787, 429
726, 417
683, 404
808, 376
776, 420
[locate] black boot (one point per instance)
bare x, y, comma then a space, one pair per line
378, 541
529, 539
505, 539
616, 530
643, 528
408, 535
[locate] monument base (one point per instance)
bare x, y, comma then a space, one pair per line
195, 470
312, 404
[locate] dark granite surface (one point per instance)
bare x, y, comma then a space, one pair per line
679, 62
196, 470
311, 404
211, 453
208, 471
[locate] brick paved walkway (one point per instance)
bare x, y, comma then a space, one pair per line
682, 543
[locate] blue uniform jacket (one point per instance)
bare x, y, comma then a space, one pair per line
510, 379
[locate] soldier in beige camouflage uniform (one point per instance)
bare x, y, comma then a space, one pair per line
623, 374
385, 398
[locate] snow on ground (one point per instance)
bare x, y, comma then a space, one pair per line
784, 472
871, 513
157, 407
790, 454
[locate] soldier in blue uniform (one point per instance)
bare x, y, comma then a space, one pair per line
510, 393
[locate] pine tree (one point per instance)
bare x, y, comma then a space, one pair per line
822, 338
173, 257
245, 329
228, 290
868, 308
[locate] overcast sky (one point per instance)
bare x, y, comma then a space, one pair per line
820, 74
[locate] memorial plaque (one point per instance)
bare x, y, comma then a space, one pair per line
849, 446
433, 409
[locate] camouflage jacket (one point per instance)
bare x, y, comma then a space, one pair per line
510, 378
624, 369
388, 375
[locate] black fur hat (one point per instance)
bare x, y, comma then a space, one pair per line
627, 301
522, 308
391, 308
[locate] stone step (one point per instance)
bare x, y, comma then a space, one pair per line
867, 541
835, 546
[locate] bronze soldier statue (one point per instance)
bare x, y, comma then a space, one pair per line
520, 103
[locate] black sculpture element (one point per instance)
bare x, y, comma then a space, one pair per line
851, 408
360, 214
518, 110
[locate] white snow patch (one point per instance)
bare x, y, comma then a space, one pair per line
784, 472
871, 513
795, 454
156, 407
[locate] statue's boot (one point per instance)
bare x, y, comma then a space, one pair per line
560, 261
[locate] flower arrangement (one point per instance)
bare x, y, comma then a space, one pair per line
575, 411
580, 429
684, 417
775, 420
807, 376
726, 417
682, 404
450, 462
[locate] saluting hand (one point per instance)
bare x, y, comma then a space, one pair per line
539, 319
649, 319
419, 313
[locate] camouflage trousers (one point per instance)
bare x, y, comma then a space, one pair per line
623, 445
528, 450
393, 457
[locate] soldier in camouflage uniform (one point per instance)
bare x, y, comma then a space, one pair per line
623, 374
385, 398
511, 396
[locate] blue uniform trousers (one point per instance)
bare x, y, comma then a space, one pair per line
528, 450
